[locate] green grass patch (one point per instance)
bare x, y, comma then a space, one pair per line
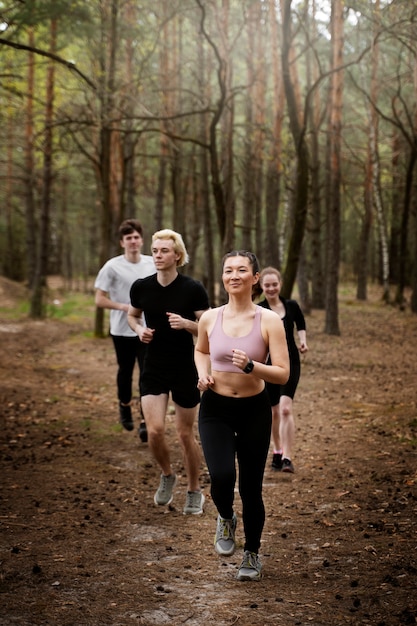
71, 307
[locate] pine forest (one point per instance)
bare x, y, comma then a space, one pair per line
285, 127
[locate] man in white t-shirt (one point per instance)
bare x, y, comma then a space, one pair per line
112, 286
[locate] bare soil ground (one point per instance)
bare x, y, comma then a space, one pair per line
82, 542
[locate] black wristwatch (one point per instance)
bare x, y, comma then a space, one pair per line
249, 367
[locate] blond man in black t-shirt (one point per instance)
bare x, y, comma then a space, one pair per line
172, 305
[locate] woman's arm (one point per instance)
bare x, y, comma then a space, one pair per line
274, 334
302, 336
202, 354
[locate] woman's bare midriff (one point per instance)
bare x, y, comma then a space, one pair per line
236, 385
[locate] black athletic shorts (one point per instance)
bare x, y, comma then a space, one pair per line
180, 379
276, 391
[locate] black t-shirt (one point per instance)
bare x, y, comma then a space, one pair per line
183, 296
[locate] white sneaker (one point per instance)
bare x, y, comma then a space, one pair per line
164, 493
250, 568
224, 539
194, 503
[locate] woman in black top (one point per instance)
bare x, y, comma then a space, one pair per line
281, 396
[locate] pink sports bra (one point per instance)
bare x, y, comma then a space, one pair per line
221, 345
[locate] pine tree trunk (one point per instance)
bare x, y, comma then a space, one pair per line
30, 167
300, 199
38, 304
333, 213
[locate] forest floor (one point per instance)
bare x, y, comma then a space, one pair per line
83, 544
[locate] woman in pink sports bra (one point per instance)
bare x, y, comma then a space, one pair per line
235, 413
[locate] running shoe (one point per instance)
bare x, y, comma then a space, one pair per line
164, 493
224, 539
277, 462
194, 503
250, 568
126, 416
287, 466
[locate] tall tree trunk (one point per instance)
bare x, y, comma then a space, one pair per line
221, 167
381, 220
11, 267
361, 292
227, 126
362, 257
414, 206
395, 228
254, 134
38, 304
302, 280
208, 238
161, 184
174, 103
30, 167
412, 159
334, 209
408, 200
65, 237
297, 127
130, 140
248, 199
165, 143
210, 280
272, 255
315, 226
413, 300
104, 175
260, 115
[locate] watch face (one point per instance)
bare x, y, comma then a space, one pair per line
248, 368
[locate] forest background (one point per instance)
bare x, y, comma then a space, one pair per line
282, 126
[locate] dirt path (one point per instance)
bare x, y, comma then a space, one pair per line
83, 544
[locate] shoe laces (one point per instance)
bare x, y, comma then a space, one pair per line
165, 483
193, 499
225, 529
250, 560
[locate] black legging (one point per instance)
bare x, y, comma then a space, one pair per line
239, 427
129, 350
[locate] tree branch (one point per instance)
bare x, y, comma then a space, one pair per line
68, 64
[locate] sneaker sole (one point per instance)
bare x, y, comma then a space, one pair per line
247, 577
163, 503
222, 552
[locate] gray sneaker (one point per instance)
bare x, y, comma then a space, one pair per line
224, 539
164, 493
194, 503
250, 568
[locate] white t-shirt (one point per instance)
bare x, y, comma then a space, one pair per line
116, 277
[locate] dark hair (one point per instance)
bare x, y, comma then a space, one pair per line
245, 253
130, 226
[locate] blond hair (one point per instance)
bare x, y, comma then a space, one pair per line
179, 245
